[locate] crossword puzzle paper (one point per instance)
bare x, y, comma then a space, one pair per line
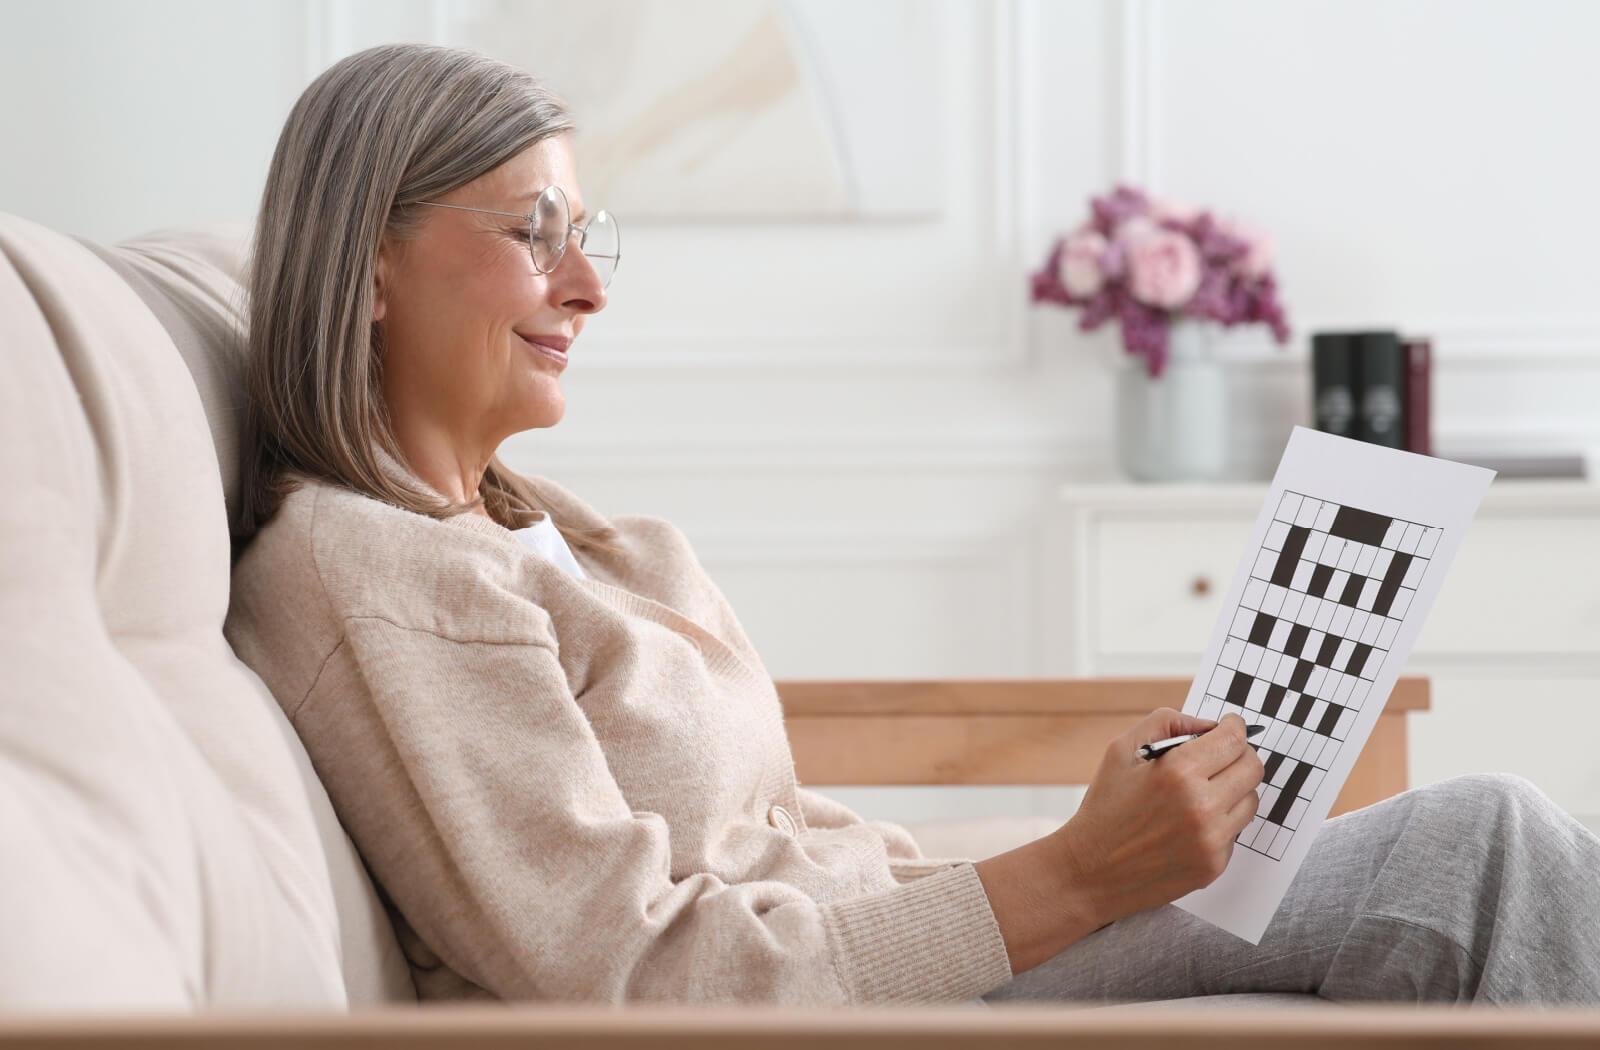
1348, 552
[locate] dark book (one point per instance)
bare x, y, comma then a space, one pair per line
1380, 382
1419, 395
1333, 383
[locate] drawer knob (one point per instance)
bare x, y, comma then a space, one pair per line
1200, 587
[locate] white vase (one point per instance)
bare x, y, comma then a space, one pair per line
1174, 428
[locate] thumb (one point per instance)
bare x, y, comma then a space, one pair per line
1165, 722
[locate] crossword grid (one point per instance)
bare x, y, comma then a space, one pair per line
1326, 597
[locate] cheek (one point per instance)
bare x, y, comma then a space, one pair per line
461, 305
504, 288
429, 297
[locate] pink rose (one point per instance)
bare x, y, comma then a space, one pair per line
1164, 210
1135, 227
1164, 269
1258, 260
1080, 264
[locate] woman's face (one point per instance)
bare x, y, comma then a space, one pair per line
461, 309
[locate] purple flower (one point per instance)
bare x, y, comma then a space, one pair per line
1118, 207
1104, 306
1210, 300
1114, 263
1047, 286
1258, 257
1146, 263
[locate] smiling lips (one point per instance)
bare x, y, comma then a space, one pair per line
552, 346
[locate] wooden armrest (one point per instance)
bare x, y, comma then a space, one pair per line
1020, 731
480, 1026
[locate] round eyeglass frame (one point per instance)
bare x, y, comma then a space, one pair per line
555, 193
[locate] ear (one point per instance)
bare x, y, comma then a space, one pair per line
381, 279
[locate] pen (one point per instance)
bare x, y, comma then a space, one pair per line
1161, 747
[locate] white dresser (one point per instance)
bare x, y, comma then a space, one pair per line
1134, 577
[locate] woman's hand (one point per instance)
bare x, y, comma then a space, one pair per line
1147, 833
1150, 831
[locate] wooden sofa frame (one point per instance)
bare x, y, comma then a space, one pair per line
1001, 731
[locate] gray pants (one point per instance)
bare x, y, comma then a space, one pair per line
1477, 888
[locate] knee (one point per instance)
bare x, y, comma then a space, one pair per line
1506, 787
1492, 795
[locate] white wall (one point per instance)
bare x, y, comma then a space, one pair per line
123, 117
858, 424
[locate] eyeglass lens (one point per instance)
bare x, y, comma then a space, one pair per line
600, 240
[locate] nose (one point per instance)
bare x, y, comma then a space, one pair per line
575, 284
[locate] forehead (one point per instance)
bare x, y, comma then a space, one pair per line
516, 183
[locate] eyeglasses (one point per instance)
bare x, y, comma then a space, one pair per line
550, 227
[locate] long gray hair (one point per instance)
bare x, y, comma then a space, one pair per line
396, 123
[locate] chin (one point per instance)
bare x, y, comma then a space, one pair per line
546, 415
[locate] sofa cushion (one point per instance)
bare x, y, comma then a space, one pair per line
190, 280
160, 847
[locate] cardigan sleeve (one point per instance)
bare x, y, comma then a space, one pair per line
820, 811
473, 784
906, 860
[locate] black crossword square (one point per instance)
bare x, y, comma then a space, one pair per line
1330, 648
1363, 526
1352, 590
1270, 766
1300, 675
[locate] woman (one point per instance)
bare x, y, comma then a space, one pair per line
560, 756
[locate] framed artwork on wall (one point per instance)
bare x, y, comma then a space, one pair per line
777, 110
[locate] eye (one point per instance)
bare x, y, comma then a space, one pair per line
523, 234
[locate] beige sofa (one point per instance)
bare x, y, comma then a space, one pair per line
170, 857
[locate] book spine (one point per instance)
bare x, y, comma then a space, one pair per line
1381, 375
1333, 383
1419, 395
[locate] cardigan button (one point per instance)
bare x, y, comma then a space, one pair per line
779, 818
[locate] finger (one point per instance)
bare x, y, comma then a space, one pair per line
1191, 724
1218, 748
1240, 776
1243, 812
1165, 722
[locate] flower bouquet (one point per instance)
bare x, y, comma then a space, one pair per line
1148, 263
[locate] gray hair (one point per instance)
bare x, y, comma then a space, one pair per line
376, 131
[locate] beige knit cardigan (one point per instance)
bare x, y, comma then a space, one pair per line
581, 789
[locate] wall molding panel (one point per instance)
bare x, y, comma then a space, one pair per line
1140, 96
